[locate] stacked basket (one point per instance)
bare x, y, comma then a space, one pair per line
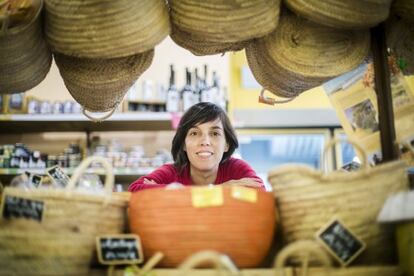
102, 47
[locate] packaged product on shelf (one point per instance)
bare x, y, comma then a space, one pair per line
354, 99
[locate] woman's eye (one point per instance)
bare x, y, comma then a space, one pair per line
192, 133
216, 133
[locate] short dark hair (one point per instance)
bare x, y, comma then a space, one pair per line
199, 114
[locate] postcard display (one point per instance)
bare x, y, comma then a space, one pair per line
354, 99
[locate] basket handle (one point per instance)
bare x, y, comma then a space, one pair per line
272, 101
304, 248
219, 260
109, 178
98, 119
357, 147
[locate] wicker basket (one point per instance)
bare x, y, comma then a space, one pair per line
25, 59
105, 29
405, 9
99, 85
301, 55
307, 249
63, 242
308, 199
215, 26
349, 14
167, 222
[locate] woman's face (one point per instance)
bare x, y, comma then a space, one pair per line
205, 144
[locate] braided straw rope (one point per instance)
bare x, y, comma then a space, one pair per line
300, 55
99, 85
215, 26
349, 14
105, 29
25, 58
64, 241
308, 199
405, 9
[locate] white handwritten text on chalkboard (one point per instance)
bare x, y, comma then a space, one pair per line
17, 207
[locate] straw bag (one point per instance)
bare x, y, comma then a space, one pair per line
307, 249
405, 9
168, 222
62, 242
309, 199
105, 29
349, 14
25, 58
301, 55
214, 26
400, 39
99, 85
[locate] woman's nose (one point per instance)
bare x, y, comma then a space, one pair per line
205, 140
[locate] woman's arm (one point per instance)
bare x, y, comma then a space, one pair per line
159, 178
242, 174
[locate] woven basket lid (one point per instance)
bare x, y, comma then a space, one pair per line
226, 21
400, 39
25, 58
105, 29
405, 9
99, 85
300, 55
344, 14
202, 47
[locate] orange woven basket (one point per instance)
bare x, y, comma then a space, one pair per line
167, 221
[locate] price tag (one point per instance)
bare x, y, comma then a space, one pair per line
19, 207
244, 194
58, 176
202, 197
340, 242
119, 249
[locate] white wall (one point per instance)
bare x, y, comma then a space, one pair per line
52, 87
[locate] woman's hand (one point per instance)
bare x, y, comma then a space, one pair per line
247, 182
149, 181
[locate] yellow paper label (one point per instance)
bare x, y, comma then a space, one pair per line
206, 196
243, 193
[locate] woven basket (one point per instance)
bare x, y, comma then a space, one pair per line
167, 222
404, 8
349, 14
25, 58
99, 85
105, 29
307, 249
309, 199
301, 55
216, 26
202, 47
400, 39
63, 242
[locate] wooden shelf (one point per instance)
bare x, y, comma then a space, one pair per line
117, 171
134, 121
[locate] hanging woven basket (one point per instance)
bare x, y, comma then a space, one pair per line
105, 29
400, 39
99, 85
214, 26
349, 14
405, 9
25, 58
301, 55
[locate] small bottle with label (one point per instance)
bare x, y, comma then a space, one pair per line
173, 96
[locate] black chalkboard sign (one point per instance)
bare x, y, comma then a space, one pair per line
119, 249
58, 176
340, 242
18, 207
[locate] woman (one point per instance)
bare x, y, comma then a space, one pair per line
202, 149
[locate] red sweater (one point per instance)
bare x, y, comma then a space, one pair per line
231, 169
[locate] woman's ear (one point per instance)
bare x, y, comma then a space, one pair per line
226, 147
